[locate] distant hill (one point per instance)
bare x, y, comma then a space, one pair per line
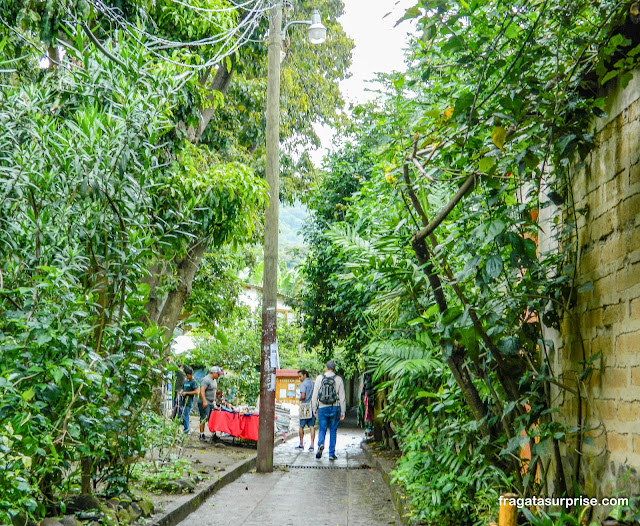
291, 244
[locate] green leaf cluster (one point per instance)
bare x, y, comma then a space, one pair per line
235, 346
94, 186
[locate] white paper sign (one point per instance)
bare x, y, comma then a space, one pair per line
275, 358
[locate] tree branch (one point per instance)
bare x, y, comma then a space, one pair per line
455, 361
507, 380
100, 47
462, 191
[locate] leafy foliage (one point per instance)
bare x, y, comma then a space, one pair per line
77, 222
216, 288
309, 94
443, 464
473, 142
235, 345
161, 477
86, 203
332, 310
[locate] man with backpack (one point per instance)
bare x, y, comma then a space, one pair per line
329, 406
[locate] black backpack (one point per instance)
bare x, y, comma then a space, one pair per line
327, 392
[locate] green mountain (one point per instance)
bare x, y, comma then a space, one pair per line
291, 247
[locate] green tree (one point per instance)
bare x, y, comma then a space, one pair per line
93, 188
78, 181
235, 346
234, 131
334, 311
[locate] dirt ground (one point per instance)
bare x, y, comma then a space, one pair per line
209, 461
388, 456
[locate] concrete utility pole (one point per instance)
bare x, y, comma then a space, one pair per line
270, 272
317, 34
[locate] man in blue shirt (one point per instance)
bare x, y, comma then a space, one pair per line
306, 414
188, 391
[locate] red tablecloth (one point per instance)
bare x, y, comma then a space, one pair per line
236, 424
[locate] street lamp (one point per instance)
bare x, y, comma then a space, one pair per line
316, 31
269, 347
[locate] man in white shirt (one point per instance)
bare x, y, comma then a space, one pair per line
329, 406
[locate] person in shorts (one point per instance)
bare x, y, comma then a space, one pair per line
306, 414
207, 399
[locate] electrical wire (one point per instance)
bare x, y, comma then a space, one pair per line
205, 10
230, 40
115, 15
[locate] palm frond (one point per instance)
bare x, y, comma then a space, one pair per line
402, 357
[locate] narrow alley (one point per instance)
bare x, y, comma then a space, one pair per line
303, 489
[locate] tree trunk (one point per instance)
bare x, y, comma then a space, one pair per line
85, 476
165, 313
503, 373
219, 83
187, 268
455, 361
154, 302
54, 56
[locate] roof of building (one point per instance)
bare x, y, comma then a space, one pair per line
287, 372
259, 288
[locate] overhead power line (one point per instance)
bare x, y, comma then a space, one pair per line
229, 40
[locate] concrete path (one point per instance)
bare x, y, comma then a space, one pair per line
305, 490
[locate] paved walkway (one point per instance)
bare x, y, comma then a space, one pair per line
305, 490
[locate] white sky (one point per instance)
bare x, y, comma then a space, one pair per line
378, 49
378, 45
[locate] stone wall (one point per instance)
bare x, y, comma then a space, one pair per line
606, 319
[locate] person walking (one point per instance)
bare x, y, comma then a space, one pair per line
187, 394
329, 406
306, 413
207, 400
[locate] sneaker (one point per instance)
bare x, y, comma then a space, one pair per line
333, 457
187, 431
202, 437
300, 447
320, 449
310, 448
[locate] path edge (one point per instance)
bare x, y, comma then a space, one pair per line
182, 511
396, 493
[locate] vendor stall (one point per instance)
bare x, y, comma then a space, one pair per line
240, 425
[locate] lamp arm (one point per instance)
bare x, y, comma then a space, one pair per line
295, 22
